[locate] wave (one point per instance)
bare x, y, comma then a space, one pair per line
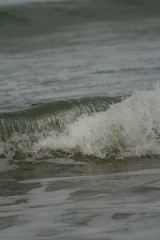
20, 130
98, 127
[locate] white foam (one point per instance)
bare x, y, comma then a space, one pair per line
129, 128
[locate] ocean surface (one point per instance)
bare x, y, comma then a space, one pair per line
79, 120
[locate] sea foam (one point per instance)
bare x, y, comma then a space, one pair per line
130, 128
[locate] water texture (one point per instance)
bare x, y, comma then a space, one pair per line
79, 120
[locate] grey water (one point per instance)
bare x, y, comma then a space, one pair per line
17, 2
79, 120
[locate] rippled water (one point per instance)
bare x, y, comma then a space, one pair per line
104, 206
79, 120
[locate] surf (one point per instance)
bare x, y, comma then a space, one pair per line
101, 127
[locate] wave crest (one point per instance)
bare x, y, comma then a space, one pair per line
130, 128
98, 127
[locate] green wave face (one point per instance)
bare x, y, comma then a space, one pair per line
20, 130
99, 127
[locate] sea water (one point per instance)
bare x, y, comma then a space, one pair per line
79, 120
17, 2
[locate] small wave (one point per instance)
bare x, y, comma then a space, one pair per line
130, 128
98, 127
20, 130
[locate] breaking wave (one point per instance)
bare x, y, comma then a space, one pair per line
99, 127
